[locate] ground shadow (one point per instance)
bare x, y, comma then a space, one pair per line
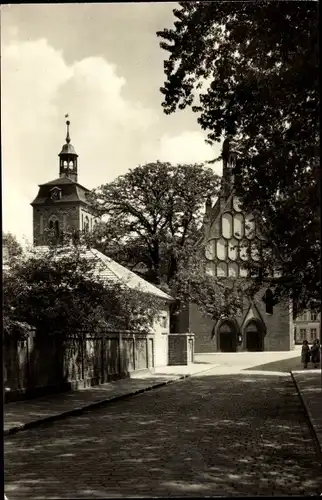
284, 365
205, 436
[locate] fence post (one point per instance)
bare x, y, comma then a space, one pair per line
27, 361
82, 355
120, 352
134, 351
102, 360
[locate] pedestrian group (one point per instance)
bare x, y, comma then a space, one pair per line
312, 353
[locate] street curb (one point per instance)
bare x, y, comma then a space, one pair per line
96, 404
309, 418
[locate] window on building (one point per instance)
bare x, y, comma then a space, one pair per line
41, 224
305, 318
313, 334
56, 228
302, 334
164, 321
313, 316
269, 301
86, 224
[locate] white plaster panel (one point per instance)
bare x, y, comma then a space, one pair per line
233, 269
243, 272
233, 249
222, 269
221, 249
243, 247
210, 250
238, 226
254, 252
227, 225
236, 204
249, 226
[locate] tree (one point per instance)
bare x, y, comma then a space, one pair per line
59, 291
250, 72
10, 242
154, 217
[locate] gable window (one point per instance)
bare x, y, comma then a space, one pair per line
55, 193
164, 321
313, 316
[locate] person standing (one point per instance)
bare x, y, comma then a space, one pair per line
315, 353
305, 353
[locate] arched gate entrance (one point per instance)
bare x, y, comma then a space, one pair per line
227, 337
254, 337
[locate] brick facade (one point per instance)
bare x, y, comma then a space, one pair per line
230, 239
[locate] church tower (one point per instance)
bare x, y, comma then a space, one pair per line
231, 238
62, 204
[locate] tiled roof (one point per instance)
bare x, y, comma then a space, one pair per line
71, 192
110, 270
63, 180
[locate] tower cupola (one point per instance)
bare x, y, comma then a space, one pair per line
68, 158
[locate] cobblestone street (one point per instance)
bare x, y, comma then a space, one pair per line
208, 435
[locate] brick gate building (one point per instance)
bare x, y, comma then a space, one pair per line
228, 242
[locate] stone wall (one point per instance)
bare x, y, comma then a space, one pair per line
41, 364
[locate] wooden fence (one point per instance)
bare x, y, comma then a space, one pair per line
42, 364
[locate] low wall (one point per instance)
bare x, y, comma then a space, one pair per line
42, 364
181, 348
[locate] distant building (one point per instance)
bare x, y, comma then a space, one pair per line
228, 243
61, 204
307, 326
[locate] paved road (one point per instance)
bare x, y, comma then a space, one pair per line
210, 435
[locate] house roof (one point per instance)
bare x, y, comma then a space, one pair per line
110, 270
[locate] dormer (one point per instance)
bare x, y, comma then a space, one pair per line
55, 193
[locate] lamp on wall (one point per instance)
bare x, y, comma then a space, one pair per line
239, 338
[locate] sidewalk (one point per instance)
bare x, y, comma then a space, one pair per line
309, 386
25, 414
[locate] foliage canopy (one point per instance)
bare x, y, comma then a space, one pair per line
250, 70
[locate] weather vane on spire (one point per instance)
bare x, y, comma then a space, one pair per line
67, 123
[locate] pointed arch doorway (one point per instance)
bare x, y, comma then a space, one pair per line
254, 336
227, 337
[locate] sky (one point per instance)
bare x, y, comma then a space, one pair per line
101, 64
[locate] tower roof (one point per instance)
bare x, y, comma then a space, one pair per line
68, 148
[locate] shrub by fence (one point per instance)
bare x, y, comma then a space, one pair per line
41, 364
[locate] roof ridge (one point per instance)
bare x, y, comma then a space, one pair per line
102, 256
